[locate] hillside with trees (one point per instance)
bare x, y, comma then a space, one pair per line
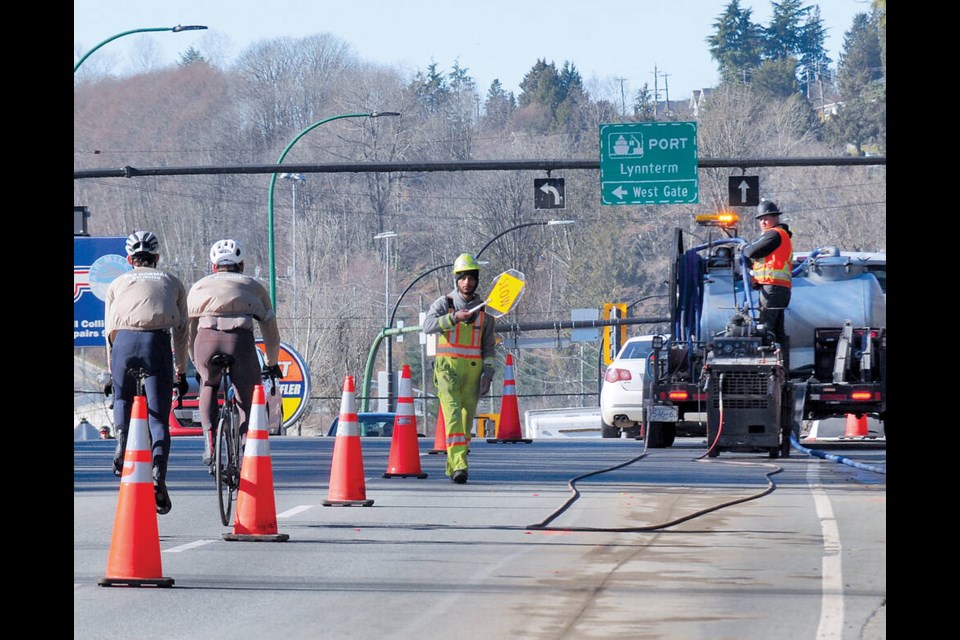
781, 96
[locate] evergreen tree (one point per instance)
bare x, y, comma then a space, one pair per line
574, 101
499, 106
643, 106
814, 63
540, 86
777, 78
861, 118
190, 56
737, 45
430, 89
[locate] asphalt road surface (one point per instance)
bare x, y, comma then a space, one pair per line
555, 539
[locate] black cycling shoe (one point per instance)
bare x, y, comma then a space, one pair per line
118, 467
162, 497
460, 476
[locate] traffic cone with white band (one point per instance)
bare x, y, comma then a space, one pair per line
508, 429
347, 485
440, 438
134, 559
256, 516
404, 459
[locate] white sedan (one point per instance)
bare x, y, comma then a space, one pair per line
623, 389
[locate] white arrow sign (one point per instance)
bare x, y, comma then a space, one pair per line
744, 186
620, 192
550, 190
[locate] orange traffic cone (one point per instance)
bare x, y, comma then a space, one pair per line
404, 459
856, 426
256, 516
135, 547
440, 438
509, 424
347, 486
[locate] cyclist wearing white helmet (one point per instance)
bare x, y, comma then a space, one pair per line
223, 308
143, 308
463, 369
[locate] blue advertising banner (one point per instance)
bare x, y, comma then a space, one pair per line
96, 262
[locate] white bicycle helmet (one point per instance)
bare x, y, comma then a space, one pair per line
226, 251
142, 242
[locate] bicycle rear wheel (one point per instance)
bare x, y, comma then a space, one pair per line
225, 463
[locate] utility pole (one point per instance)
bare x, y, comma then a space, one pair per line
656, 94
666, 89
623, 100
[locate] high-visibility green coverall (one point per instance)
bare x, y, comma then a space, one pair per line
465, 354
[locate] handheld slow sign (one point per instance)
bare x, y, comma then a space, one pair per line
507, 289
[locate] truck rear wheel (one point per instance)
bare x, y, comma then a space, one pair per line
669, 433
661, 435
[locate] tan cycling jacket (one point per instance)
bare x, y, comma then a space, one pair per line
227, 300
146, 299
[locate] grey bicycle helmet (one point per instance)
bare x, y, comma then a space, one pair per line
226, 251
142, 242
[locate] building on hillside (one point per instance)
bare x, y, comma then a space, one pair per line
697, 100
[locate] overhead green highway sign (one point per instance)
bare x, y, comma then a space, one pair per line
648, 163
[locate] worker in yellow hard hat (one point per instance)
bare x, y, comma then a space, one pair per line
464, 365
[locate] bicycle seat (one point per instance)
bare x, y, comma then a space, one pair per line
222, 360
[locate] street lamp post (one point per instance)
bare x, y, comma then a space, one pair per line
386, 235
176, 29
294, 178
546, 223
273, 182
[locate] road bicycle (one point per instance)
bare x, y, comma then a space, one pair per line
228, 450
140, 374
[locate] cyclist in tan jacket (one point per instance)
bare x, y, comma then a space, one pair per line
223, 308
144, 311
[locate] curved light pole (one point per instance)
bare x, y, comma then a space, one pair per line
273, 182
388, 364
294, 178
176, 29
389, 331
546, 223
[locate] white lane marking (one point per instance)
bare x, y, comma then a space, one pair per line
292, 512
189, 545
831, 578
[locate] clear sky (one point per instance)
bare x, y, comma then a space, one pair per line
612, 43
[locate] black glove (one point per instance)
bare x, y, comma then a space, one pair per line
272, 371
108, 389
182, 385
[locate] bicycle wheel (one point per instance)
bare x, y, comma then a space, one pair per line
237, 444
224, 451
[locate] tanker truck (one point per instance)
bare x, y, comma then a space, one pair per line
719, 361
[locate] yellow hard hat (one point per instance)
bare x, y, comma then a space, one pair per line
465, 262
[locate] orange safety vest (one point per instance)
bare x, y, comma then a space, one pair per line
463, 341
776, 267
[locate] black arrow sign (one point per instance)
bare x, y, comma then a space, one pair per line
744, 191
548, 193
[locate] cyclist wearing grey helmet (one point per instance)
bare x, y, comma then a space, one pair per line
222, 308
145, 310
